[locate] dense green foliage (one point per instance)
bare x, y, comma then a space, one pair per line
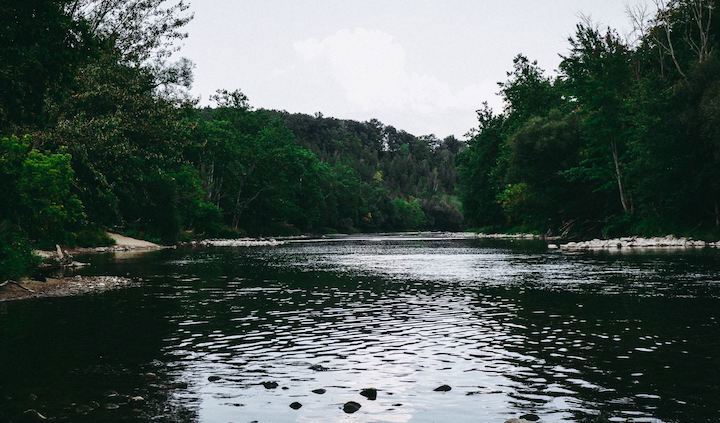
624, 140
98, 131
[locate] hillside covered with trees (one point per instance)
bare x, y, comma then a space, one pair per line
98, 131
624, 140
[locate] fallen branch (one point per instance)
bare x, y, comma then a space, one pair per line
18, 284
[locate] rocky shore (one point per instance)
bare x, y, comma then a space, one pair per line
508, 236
636, 243
61, 287
242, 242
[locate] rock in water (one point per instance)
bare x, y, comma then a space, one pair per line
270, 385
318, 368
351, 407
516, 421
443, 388
213, 378
179, 385
151, 376
369, 393
319, 391
530, 417
296, 405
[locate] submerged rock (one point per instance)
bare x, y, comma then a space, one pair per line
296, 405
319, 391
318, 368
270, 385
179, 385
443, 388
369, 393
351, 407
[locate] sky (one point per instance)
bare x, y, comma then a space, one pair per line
424, 66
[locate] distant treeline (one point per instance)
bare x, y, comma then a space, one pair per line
624, 140
98, 131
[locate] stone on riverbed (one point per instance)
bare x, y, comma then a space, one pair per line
351, 407
443, 388
369, 393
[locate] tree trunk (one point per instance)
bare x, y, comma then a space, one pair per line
624, 199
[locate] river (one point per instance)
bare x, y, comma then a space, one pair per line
511, 327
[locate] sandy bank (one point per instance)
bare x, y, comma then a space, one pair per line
122, 243
62, 287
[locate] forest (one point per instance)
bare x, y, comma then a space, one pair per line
98, 131
624, 140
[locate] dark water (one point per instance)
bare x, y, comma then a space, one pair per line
512, 328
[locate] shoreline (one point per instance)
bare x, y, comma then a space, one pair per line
68, 286
633, 243
122, 244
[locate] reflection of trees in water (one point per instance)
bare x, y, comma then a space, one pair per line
71, 359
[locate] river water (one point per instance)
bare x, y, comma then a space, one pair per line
511, 327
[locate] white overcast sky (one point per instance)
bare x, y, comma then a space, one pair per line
424, 66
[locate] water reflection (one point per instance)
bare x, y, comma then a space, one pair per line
513, 329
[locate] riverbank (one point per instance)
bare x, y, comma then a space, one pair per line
41, 287
61, 287
121, 243
637, 243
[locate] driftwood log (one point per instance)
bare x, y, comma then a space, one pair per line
17, 284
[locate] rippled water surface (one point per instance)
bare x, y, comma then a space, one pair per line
512, 328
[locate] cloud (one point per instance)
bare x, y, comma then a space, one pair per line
372, 69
